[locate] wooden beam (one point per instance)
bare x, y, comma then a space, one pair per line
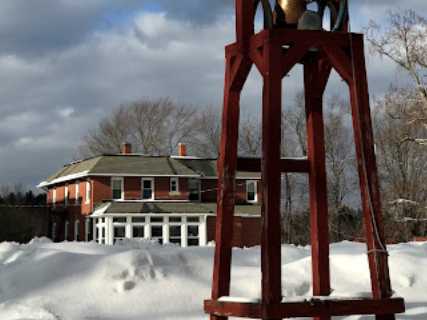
227, 164
368, 175
271, 263
308, 308
317, 180
286, 165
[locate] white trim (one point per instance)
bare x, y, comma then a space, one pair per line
63, 179
248, 182
85, 174
54, 196
176, 184
143, 175
100, 210
88, 191
122, 184
77, 192
153, 194
237, 178
66, 194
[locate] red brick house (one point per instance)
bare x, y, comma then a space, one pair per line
171, 199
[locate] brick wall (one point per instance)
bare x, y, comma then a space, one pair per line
162, 189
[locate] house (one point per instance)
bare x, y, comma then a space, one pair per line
168, 198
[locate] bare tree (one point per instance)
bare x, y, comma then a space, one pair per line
404, 42
250, 137
152, 126
402, 165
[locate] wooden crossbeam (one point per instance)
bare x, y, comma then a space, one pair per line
286, 165
308, 308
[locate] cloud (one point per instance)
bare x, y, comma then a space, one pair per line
65, 64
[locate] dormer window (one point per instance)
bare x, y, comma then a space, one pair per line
251, 191
117, 188
174, 185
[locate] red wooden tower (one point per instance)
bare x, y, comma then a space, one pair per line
274, 51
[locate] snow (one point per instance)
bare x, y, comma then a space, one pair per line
142, 280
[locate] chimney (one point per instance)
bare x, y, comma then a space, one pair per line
126, 148
182, 150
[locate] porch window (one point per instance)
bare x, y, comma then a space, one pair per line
119, 229
77, 230
174, 185
175, 230
251, 191
157, 233
147, 189
66, 230
117, 188
193, 235
53, 235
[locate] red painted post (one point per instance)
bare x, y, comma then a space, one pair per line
368, 175
317, 180
271, 176
227, 163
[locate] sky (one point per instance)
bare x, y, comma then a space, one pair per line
65, 64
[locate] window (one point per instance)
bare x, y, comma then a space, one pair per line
119, 228
66, 230
194, 189
77, 230
175, 229
77, 196
117, 188
138, 231
175, 234
138, 220
66, 194
88, 191
193, 235
174, 185
251, 191
157, 233
147, 189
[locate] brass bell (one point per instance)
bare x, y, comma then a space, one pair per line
293, 10
310, 20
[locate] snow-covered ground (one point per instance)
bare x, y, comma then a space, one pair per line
44, 280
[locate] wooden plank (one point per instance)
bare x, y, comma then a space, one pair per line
271, 264
310, 308
291, 36
368, 175
317, 180
227, 163
286, 165
340, 60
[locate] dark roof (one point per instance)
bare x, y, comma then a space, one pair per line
142, 165
175, 207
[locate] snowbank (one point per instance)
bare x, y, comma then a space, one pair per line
49, 281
